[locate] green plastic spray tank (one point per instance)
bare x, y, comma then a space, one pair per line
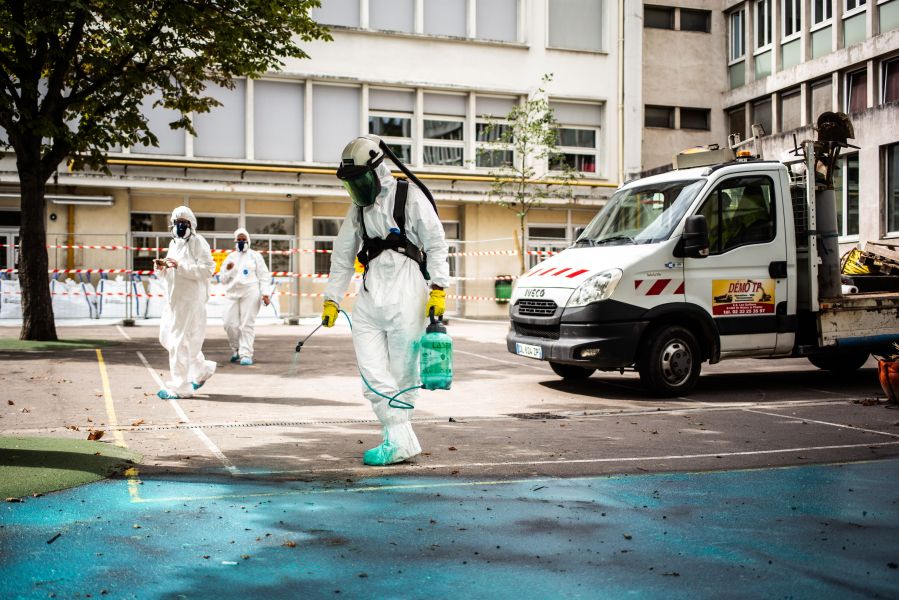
436, 357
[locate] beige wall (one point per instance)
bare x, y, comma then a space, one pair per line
684, 69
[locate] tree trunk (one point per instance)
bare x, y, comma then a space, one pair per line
524, 250
37, 306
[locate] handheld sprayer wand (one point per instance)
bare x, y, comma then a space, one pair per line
392, 401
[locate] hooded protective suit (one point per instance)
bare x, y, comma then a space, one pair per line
245, 284
389, 314
183, 325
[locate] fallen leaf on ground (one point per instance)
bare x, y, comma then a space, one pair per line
451, 448
290, 544
95, 434
73, 427
138, 422
10, 402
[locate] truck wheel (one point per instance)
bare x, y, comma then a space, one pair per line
571, 372
840, 362
669, 363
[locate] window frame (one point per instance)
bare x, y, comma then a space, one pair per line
490, 146
582, 150
323, 239
708, 20
796, 6
843, 208
884, 65
708, 118
670, 110
820, 21
740, 16
768, 29
669, 9
894, 148
391, 140
763, 180
860, 7
438, 143
848, 78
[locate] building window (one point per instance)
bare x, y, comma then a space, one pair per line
577, 149
891, 81
391, 15
846, 180
792, 21
761, 115
221, 132
575, 24
822, 11
278, 120
390, 117
790, 110
336, 113
578, 135
658, 17
545, 238
856, 91
854, 5
737, 122
659, 116
822, 98
695, 118
493, 134
447, 17
737, 36
443, 129
324, 232
762, 23
337, 12
171, 141
497, 20
892, 188
695, 20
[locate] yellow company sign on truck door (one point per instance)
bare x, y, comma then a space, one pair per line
742, 297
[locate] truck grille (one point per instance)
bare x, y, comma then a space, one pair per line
550, 332
537, 308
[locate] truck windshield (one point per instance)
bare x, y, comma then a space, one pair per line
641, 214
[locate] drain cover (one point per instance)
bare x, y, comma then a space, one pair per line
539, 416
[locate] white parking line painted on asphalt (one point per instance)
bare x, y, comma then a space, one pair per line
852, 427
199, 432
122, 331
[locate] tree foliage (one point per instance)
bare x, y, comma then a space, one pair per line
537, 171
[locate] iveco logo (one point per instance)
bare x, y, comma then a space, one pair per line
534, 293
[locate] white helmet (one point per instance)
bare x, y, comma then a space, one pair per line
357, 167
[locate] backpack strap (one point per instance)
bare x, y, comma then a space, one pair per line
399, 205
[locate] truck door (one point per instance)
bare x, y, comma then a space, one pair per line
735, 283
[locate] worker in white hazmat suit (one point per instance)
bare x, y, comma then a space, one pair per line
247, 280
390, 313
186, 271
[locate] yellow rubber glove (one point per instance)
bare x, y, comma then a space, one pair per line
437, 301
329, 313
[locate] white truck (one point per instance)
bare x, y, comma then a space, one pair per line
705, 263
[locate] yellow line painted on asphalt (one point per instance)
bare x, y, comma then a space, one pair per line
113, 421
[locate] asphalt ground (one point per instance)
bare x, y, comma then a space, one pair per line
287, 428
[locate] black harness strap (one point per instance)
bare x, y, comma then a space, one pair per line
398, 242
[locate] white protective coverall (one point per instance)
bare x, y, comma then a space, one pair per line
183, 325
245, 284
389, 314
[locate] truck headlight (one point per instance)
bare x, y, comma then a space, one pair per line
597, 287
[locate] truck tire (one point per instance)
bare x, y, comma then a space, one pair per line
840, 362
571, 372
670, 361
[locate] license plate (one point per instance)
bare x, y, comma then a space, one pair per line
529, 350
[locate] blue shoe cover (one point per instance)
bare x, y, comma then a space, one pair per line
246, 361
196, 385
167, 395
235, 357
385, 454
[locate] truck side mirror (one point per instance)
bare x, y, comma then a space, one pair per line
694, 242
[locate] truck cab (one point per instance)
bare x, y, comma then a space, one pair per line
696, 264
